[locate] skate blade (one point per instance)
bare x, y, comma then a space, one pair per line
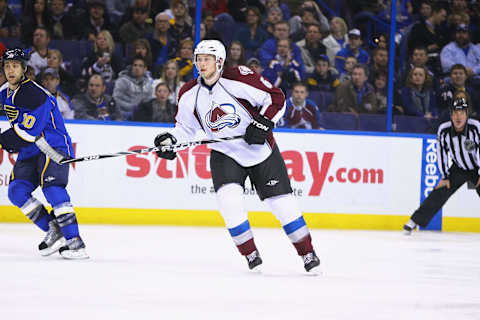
79, 254
315, 271
407, 233
54, 248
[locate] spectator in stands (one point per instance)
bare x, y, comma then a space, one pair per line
62, 22
8, 22
162, 41
36, 17
350, 62
310, 13
284, 70
426, 34
457, 83
254, 64
276, 3
142, 47
158, 109
238, 9
252, 36
38, 52
356, 95
139, 27
67, 80
94, 104
209, 21
323, 78
425, 9
103, 59
269, 48
215, 6
418, 98
403, 18
92, 22
419, 58
379, 64
274, 16
311, 47
181, 24
132, 87
380, 87
118, 8
235, 55
50, 79
301, 113
184, 59
171, 76
337, 39
353, 49
461, 51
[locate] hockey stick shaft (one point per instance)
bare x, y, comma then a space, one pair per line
60, 159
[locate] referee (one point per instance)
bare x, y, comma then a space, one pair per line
459, 140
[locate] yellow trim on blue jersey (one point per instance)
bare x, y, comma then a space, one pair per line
23, 134
66, 143
53, 121
47, 162
12, 176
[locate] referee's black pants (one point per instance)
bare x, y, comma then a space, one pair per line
437, 198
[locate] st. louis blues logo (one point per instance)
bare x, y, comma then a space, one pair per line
221, 116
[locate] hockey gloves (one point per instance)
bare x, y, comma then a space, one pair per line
165, 139
10, 142
258, 130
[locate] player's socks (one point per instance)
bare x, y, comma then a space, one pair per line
243, 238
37, 213
53, 240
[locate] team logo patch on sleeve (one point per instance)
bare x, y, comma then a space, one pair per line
221, 116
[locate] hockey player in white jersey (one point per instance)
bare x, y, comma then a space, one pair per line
232, 102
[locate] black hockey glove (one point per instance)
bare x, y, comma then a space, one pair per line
165, 139
8, 139
258, 130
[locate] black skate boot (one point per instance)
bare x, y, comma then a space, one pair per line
74, 249
53, 240
310, 261
253, 259
407, 230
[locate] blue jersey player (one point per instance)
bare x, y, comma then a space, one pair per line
32, 112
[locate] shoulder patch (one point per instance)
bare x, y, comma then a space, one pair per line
187, 86
30, 96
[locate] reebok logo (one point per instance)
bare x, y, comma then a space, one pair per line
49, 179
272, 183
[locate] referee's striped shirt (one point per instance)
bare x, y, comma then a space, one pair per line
452, 144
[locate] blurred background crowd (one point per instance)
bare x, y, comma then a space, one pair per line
126, 60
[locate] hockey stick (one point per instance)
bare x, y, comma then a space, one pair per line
43, 145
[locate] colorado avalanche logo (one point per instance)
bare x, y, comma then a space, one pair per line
221, 116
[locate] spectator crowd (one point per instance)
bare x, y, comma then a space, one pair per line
126, 60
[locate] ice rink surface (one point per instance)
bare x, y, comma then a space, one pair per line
196, 273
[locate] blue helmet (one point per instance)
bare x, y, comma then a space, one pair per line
15, 54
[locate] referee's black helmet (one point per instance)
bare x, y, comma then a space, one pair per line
460, 104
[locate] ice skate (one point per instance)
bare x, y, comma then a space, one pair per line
407, 230
310, 261
254, 260
53, 240
74, 249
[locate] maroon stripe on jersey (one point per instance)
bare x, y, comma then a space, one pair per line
187, 86
254, 113
195, 113
253, 79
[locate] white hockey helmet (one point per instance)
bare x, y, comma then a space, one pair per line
213, 47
